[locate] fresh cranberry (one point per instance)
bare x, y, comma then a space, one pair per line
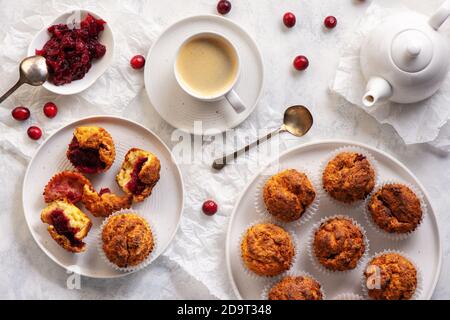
301, 63
223, 6
34, 132
137, 62
289, 19
50, 110
20, 113
330, 22
209, 207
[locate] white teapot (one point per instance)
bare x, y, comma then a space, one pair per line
405, 59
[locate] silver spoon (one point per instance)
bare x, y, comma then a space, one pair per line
33, 71
297, 121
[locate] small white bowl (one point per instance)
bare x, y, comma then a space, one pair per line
99, 66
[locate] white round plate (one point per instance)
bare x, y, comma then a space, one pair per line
424, 246
163, 208
181, 110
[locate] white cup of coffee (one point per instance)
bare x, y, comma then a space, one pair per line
207, 67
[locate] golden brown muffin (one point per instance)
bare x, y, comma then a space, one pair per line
338, 244
66, 185
296, 288
391, 277
68, 225
288, 194
127, 240
395, 208
139, 173
91, 150
349, 177
104, 203
267, 249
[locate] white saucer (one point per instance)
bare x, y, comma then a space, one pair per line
179, 109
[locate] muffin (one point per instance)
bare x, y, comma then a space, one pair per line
288, 194
395, 208
296, 288
91, 150
391, 276
66, 185
349, 177
127, 240
68, 225
267, 249
139, 174
105, 202
338, 244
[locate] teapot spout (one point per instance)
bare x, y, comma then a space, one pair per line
377, 89
440, 16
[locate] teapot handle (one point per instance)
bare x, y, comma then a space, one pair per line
440, 16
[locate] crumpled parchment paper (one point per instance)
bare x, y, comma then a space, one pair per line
422, 122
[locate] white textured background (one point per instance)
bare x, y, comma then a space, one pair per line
193, 267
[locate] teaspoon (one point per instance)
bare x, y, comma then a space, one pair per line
297, 121
33, 71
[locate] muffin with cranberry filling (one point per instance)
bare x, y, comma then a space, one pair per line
68, 225
349, 177
390, 276
66, 185
91, 150
103, 203
139, 173
267, 249
288, 194
127, 240
395, 208
296, 288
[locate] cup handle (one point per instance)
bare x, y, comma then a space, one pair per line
235, 101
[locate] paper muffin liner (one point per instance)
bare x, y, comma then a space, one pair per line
313, 257
419, 286
383, 233
331, 156
254, 275
141, 265
310, 210
348, 296
291, 273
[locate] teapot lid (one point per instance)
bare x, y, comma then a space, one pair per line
412, 50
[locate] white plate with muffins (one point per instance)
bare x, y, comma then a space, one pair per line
334, 220
103, 197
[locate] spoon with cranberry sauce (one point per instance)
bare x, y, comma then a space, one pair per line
33, 71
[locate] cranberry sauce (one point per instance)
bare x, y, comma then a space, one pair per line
61, 224
135, 185
70, 51
87, 160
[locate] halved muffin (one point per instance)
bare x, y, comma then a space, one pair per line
91, 150
139, 173
68, 225
105, 202
66, 185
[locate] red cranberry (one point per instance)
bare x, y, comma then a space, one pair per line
20, 113
224, 6
34, 133
209, 207
289, 19
137, 62
50, 109
301, 63
330, 22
